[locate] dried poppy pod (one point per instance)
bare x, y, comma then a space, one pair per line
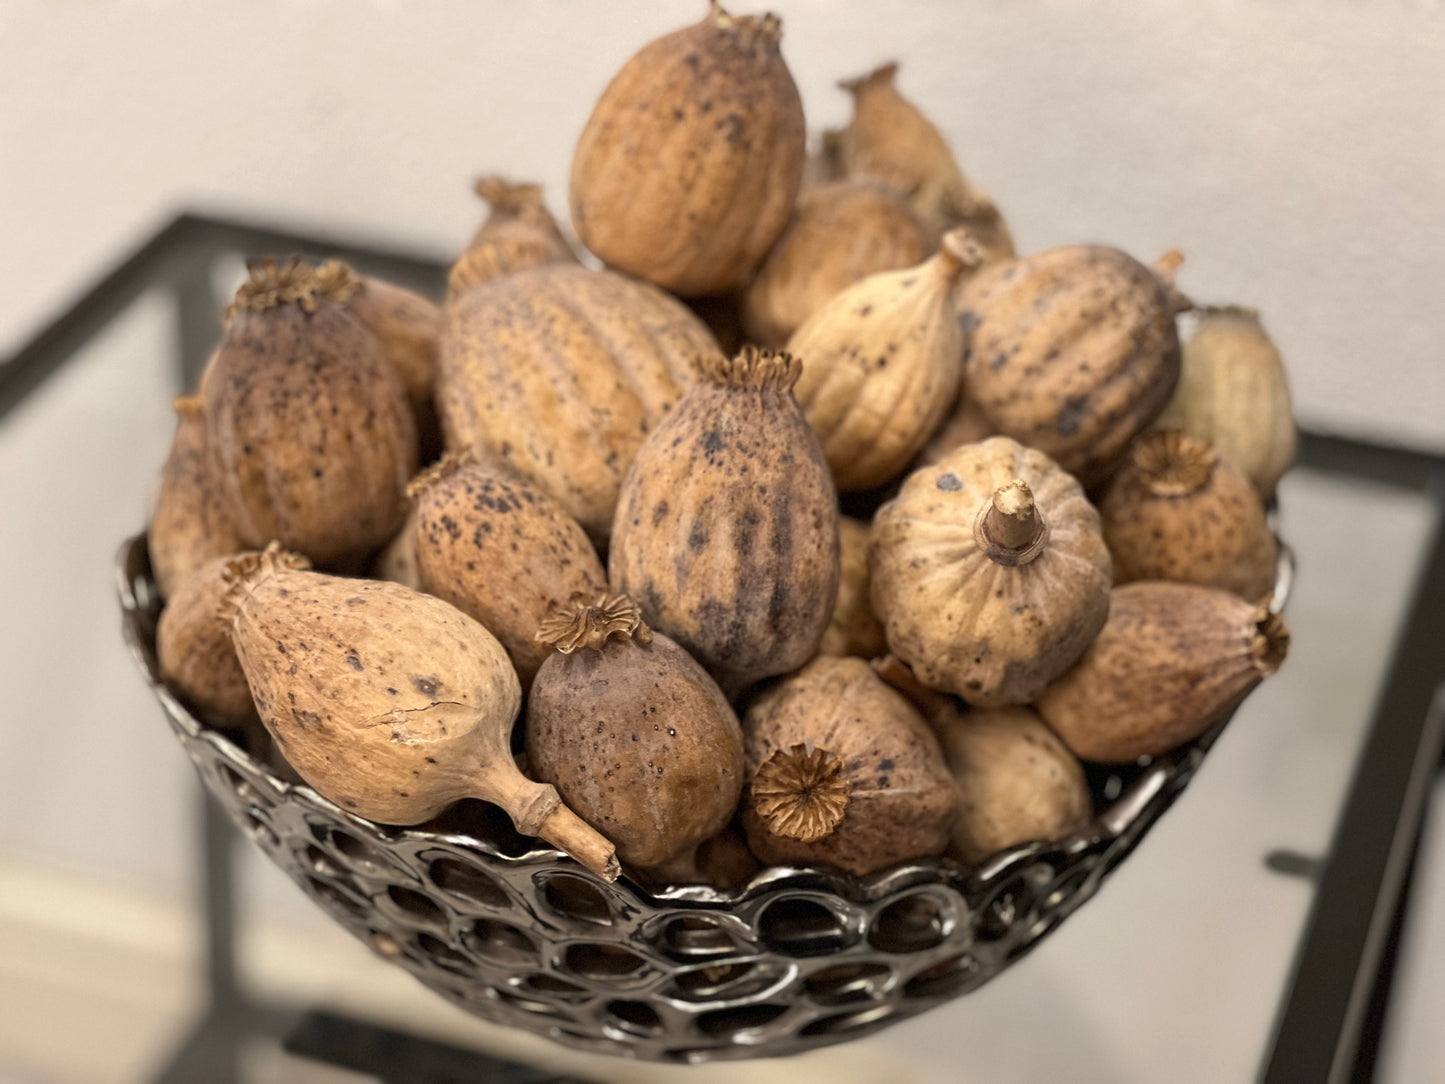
689, 166
519, 233
882, 361
397, 561
1233, 392
1177, 511
1173, 660
633, 733
990, 573
559, 373
842, 772
390, 703
500, 551
825, 165
1072, 351
190, 524
727, 527
854, 630
890, 140
839, 234
310, 434
966, 425
1016, 781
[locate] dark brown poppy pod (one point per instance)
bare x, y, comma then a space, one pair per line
990, 572
193, 644
854, 629
839, 234
890, 140
882, 361
501, 551
727, 527
633, 733
190, 524
1072, 351
310, 433
689, 166
1178, 511
1173, 660
843, 772
408, 325
390, 703
559, 373
1016, 781
519, 233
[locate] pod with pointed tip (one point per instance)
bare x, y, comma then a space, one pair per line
690, 163
1178, 511
559, 373
843, 772
519, 233
854, 629
727, 528
839, 234
633, 733
310, 434
1173, 660
190, 524
390, 703
1073, 351
501, 551
881, 363
990, 572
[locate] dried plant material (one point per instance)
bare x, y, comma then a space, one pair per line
397, 561
837, 756
689, 166
891, 141
1072, 351
390, 703
310, 434
854, 629
633, 733
1177, 511
501, 551
800, 794
990, 572
559, 374
190, 524
1233, 393
840, 234
966, 425
519, 234
1016, 781
1173, 660
727, 527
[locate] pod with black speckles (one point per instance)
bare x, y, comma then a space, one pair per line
989, 572
501, 551
559, 373
519, 233
391, 703
633, 734
1173, 660
843, 772
311, 437
1179, 511
190, 524
690, 163
1073, 351
727, 527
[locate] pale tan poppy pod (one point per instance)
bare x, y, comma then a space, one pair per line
881, 364
1233, 392
391, 703
689, 167
966, 425
1173, 660
519, 233
855, 629
990, 573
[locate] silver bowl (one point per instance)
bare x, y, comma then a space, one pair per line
520, 934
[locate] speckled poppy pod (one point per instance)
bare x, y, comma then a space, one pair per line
727, 527
689, 166
519, 233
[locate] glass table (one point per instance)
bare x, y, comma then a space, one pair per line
1252, 935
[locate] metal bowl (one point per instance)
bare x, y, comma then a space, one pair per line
520, 934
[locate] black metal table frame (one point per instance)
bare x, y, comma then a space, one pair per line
1331, 1019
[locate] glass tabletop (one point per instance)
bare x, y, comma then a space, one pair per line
1179, 970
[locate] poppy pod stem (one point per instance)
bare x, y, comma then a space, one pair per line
1009, 526
958, 255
